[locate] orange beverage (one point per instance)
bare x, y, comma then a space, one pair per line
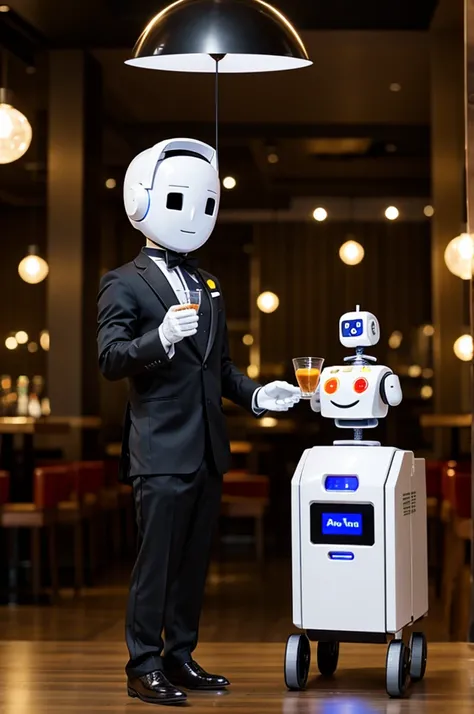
307, 373
308, 379
190, 306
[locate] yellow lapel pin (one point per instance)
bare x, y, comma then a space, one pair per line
211, 284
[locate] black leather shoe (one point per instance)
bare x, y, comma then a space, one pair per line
192, 676
154, 688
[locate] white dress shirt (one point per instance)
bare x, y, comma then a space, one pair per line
178, 284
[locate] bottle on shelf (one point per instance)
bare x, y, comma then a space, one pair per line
22, 386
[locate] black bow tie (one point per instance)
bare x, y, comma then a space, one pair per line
174, 259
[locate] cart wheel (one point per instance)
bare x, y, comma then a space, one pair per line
328, 657
297, 661
419, 654
397, 669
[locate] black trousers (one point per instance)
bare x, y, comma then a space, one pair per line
176, 516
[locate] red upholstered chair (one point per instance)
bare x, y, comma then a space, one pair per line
40, 514
246, 495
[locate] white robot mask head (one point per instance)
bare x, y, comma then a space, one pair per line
171, 193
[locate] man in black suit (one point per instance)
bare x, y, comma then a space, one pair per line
175, 444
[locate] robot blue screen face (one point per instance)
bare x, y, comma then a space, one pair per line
352, 328
342, 524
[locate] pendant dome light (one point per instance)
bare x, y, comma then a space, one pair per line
242, 35
15, 129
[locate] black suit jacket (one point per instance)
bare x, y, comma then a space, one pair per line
170, 400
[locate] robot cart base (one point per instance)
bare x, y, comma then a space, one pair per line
404, 663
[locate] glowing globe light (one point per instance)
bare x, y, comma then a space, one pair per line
351, 252
267, 302
392, 213
458, 256
15, 134
21, 337
33, 269
320, 214
229, 183
463, 348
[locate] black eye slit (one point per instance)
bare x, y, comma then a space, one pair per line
210, 205
174, 201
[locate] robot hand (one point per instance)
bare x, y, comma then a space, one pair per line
315, 402
179, 323
278, 396
391, 390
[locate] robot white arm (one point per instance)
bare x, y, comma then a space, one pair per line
390, 390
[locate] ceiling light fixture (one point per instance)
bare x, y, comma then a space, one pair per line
392, 213
33, 269
320, 214
459, 254
15, 129
229, 183
351, 252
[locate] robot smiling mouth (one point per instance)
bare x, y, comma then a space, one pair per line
345, 406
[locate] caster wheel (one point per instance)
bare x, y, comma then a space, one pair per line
297, 661
328, 657
419, 654
397, 669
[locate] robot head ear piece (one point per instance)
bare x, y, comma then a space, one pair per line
137, 201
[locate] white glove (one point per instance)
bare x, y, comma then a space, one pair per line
315, 402
278, 397
179, 324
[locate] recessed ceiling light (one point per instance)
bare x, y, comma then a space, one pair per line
395, 87
392, 213
320, 214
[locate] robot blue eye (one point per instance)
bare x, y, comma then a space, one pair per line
174, 201
210, 205
341, 483
352, 328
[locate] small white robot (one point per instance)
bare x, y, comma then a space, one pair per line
359, 529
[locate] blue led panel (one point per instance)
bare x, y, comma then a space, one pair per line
341, 556
352, 328
341, 483
346, 524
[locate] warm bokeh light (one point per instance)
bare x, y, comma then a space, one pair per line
428, 330
268, 422
426, 392
428, 211
253, 371
395, 87
229, 182
44, 340
268, 302
32, 347
273, 158
11, 343
463, 348
15, 134
351, 252
4, 8
458, 256
320, 214
428, 373
21, 337
395, 340
110, 183
392, 213
247, 340
33, 269
414, 371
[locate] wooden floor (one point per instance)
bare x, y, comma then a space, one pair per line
71, 658
69, 677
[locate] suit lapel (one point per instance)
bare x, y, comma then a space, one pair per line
213, 326
153, 276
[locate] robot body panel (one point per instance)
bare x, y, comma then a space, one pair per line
353, 392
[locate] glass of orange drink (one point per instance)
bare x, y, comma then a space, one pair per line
189, 299
308, 372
